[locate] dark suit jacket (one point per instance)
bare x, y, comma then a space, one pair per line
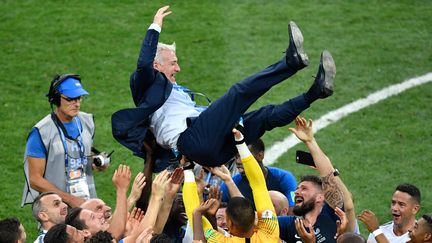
150, 89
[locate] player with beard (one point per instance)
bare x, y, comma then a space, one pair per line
318, 199
405, 204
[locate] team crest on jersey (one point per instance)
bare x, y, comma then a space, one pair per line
267, 214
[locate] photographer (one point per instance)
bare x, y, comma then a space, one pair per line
58, 150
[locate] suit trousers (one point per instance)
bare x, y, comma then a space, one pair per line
209, 141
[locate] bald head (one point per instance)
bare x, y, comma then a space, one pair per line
97, 205
280, 202
349, 237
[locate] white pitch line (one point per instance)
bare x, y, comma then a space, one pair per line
279, 148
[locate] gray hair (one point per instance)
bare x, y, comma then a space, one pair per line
163, 47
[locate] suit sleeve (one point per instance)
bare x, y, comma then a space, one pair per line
144, 74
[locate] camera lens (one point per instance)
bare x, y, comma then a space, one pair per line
97, 161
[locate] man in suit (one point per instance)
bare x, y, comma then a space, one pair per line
166, 110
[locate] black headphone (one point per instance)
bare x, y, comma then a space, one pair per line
53, 93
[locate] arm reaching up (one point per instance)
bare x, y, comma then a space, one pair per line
160, 15
121, 180
331, 182
170, 194
137, 187
223, 173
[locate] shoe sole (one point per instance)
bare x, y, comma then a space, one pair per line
329, 67
297, 38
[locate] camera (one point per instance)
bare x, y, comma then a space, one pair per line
101, 159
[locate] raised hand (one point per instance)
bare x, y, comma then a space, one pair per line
205, 206
160, 15
201, 184
134, 218
121, 178
145, 236
342, 223
238, 136
173, 187
137, 186
303, 129
306, 237
215, 193
221, 171
160, 183
369, 219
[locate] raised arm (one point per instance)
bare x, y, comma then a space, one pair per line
191, 199
223, 173
137, 187
254, 175
144, 75
371, 222
121, 180
170, 194
160, 183
331, 183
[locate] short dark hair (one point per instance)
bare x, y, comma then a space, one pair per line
428, 218
9, 230
257, 146
241, 212
37, 205
72, 218
57, 234
312, 178
410, 189
161, 238
100, 237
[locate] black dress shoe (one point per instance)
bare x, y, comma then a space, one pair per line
295, 54
323, 84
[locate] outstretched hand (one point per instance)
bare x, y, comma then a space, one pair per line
121, 178
303, 129
137, 186
215, 193
173, 187
238, 136
342, 223
369, 219
307, 236
221, 171
160, 15
160, 184
205, 206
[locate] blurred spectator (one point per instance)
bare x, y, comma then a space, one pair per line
12, 231
422, 230
221, 217
177, 220
61, 233
349, 237
280, 202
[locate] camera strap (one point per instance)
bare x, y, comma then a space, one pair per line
64, 134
